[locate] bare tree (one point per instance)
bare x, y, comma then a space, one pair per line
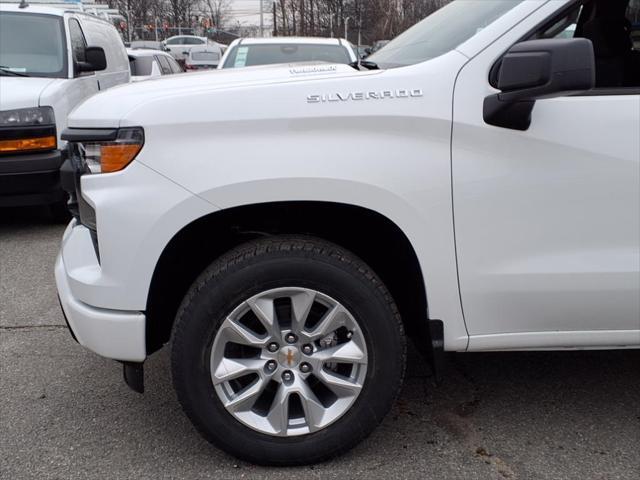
219, 11
375, 19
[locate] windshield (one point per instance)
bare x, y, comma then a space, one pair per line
268, 54
32, 44
441, 32
205, 56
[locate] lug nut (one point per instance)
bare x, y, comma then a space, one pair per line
290, 338
305, 368
271, 366
287, 376
273, 347
307, 349
349, 335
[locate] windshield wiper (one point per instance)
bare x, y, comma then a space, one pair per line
7, 71
369, 65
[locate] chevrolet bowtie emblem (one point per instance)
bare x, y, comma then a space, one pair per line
290, 357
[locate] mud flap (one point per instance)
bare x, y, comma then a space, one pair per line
436, 355
134, 375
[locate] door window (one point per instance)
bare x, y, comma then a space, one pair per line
175, 67
78, 42
164, 65
613, 28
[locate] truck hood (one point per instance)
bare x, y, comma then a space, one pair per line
22, 92
107, 109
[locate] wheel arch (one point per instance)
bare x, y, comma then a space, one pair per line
372, 236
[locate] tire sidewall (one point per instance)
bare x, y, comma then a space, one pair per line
217, 293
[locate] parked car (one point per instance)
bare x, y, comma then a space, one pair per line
477, 189
203, 58
180, 45
51, 61
147, 45
248, 52
146, 64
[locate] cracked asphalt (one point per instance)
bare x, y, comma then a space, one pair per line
66, 414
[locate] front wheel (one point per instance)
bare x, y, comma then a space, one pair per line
287, 351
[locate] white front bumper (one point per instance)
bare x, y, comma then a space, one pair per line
110, 333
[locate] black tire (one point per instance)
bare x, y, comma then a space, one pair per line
286, 262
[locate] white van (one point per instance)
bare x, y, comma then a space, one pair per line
50, 61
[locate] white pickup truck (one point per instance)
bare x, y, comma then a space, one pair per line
476, 188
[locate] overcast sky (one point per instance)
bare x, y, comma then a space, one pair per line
247, 12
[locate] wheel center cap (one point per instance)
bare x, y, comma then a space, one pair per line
289, 356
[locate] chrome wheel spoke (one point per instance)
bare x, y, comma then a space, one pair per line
234, 332
245, 399
341, 386
264, 309
333, 319
314, 411
233, 368
278, 416
301, 304
348, 352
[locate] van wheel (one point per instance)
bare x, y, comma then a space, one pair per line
287, 351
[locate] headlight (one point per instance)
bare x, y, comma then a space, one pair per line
27, 130
113, 156
27, 117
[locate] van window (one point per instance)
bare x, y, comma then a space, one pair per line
164, 65
33, 45
78, 42
141, 66
175, 67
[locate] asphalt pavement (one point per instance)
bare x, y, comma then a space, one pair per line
65, 413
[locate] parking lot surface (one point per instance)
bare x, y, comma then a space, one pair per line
65, 413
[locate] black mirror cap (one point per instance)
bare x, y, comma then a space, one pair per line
95, 60
535, 70
545, 68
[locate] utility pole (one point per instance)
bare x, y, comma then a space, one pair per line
275, 19
331, 25
261, 18
346, 28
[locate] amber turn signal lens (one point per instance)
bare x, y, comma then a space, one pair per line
115, 157
28, 144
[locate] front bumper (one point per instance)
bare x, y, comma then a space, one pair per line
30, 179
112, 334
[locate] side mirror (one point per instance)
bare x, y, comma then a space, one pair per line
535, 70
95, 60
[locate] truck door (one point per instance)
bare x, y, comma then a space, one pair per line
547, 220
